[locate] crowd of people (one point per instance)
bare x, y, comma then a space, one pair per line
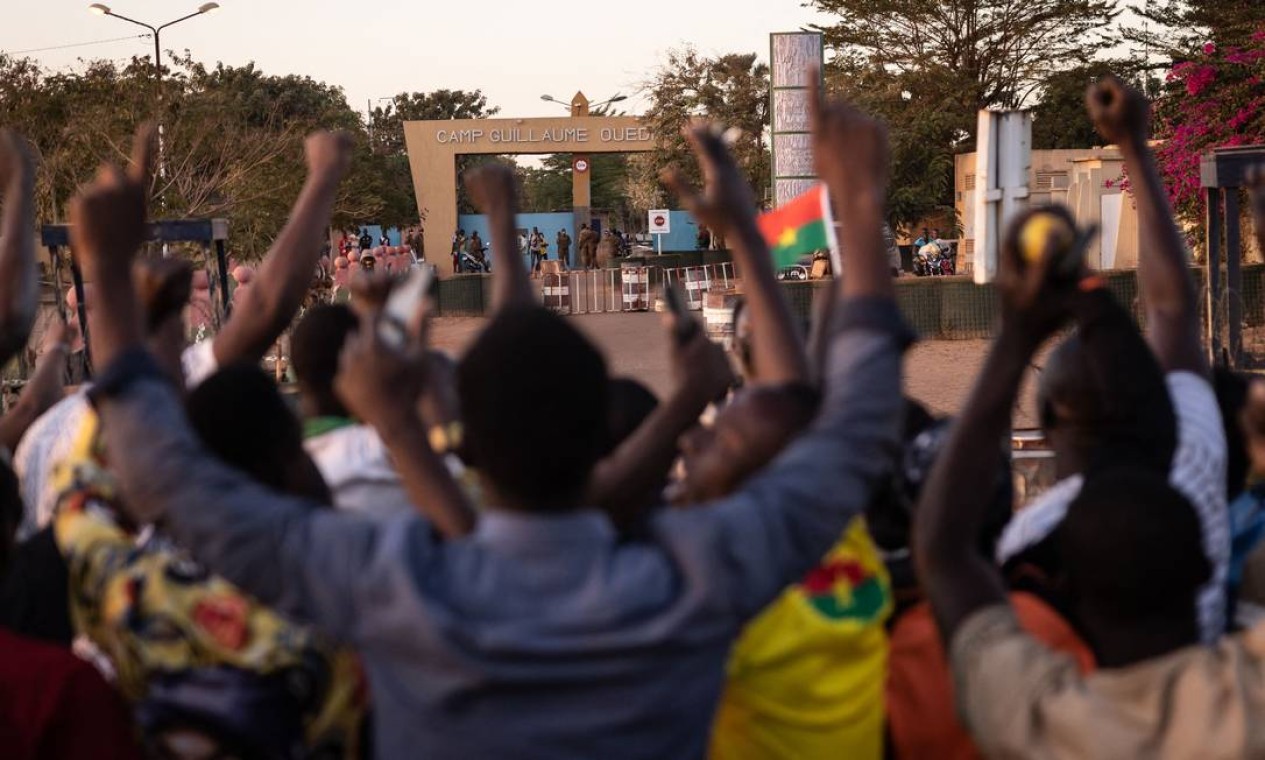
516, 554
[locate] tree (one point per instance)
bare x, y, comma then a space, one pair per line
1059, 119
1177, 29
928, 66
549, 187
995, 53
232, 139
386, 126
1214, 100
731, 89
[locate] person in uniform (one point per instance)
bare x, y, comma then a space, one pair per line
564, 247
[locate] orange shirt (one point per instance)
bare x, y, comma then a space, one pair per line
921, 714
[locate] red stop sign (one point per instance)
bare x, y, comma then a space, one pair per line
659, 221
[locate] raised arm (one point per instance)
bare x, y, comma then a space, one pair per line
1122, 116
702, 374
283, 279
43, 388
727, 205
285, 552
957, 578
782, 523
492, 189
18, 286
382, 386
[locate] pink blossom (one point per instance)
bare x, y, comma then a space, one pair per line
1199, 80
1209, 48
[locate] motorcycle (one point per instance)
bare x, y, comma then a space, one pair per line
933, 261
469, 264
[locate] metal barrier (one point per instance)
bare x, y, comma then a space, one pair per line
698, 281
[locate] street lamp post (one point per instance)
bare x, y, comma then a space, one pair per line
104, 10
581, 165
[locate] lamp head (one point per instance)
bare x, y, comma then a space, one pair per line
548, 98
99, 9
208, 8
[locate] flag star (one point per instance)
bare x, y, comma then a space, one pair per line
787, 238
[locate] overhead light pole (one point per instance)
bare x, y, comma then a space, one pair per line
204, 9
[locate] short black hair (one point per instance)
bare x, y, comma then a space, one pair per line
534, 400
1132, 547
1101, 415
631, 402
316, 344
241, 417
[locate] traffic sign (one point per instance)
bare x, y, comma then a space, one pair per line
660, 222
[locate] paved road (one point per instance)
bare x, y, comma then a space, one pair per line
938, 373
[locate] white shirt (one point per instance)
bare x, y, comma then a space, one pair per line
1198, 473
358, 470
50, 438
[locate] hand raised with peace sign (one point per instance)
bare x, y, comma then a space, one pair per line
726, 198
108, 215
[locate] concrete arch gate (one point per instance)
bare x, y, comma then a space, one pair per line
433, 147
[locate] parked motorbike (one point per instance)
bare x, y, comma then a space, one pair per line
472, 265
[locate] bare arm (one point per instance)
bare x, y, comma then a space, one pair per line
381, 387
621, 479
18, 286
848, 153
1122, 116
492, 189
283, 279
728, 205
44, 388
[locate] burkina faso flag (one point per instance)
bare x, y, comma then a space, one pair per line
800, 227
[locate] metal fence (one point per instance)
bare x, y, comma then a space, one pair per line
944, 308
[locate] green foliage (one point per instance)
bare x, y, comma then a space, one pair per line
1060, 120
386, 126
928, 66
549, 187
1176, 30
731, 89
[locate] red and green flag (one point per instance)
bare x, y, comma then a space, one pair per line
800, 228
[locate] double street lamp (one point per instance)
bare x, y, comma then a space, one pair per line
104, 10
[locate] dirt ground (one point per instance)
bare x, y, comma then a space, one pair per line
938, 373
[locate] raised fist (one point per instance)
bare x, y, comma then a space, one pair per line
1120, 113
328, 152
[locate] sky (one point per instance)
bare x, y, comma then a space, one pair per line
513, 50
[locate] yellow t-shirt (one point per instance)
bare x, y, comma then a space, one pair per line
805, 679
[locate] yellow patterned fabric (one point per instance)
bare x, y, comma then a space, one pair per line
153, 611
805, 679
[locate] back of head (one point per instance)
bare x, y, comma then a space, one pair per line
241, 417
1093, 418
631, 403
1132, 548
534, 402
315, 347
11, 512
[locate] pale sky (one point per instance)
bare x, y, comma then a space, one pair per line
514, 50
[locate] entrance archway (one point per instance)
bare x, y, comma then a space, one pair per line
433, 147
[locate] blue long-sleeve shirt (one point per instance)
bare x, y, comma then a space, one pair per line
536, 636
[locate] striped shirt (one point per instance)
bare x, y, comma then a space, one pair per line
1198, 473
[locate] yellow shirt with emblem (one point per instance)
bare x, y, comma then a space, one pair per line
805, 679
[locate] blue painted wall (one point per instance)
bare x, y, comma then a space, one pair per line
393, 234
684, 235
549, 224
